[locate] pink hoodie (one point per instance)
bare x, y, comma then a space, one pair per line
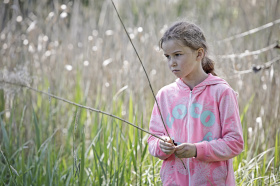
206, 116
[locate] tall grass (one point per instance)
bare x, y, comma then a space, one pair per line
105, 152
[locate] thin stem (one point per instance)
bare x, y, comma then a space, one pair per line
245, 54
252, 31
145, 73
142, 66
82, 106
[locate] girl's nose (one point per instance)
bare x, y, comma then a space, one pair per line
173, 63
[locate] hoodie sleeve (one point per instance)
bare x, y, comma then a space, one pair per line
231, 143
157, 128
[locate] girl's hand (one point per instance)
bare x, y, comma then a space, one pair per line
185, 150
167, 147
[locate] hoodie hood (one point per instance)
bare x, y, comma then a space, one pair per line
209, 81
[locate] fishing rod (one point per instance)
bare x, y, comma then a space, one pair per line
146, 76
142, 66
82, 106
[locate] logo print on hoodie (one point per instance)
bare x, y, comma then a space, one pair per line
204, 116
178, 112
207, 117
193, 113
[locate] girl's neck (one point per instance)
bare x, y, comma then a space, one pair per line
195, 79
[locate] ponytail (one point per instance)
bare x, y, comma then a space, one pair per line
208, 66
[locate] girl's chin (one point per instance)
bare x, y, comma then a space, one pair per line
177, 75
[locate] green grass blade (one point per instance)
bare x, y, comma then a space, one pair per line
82, 159
100, 163
144, 152
6, 138
276, 153
7, 161
37, 130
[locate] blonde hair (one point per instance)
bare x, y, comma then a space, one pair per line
191, 36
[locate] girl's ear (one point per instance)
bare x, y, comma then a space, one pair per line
200, 54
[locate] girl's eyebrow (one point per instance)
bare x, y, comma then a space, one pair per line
174, 52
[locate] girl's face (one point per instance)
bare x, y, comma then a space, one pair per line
184, 62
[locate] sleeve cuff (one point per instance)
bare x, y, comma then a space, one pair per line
200, 150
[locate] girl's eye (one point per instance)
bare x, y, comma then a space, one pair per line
167, 56
177, 55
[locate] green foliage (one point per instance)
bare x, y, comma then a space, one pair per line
2, 101
106, 151
252, 168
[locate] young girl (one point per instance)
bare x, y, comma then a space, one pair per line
200, 112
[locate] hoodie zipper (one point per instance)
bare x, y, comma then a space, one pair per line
188, 162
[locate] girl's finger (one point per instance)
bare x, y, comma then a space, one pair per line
179, 147
167, 147
166, 144
180, 152
179, 156
167, 140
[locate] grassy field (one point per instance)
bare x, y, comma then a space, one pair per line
93, 149
79, 51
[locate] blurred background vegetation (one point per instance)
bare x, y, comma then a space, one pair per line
78, 50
